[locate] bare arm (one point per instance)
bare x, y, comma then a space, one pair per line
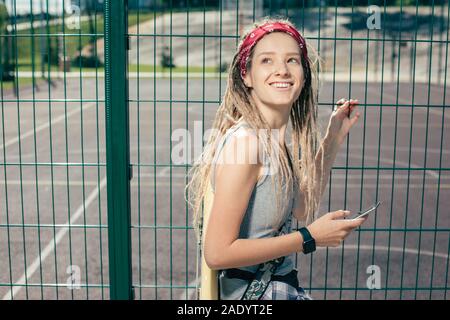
247, 252
234, 183
329, 149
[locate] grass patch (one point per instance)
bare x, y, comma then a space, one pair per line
132, 68
29, 42
151, 68
9, 85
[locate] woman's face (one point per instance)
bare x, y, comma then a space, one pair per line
276, 73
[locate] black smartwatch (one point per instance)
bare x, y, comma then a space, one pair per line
309, 244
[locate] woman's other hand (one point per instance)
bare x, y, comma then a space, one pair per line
332, 228
341, 121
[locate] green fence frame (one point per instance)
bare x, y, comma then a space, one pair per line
118, 153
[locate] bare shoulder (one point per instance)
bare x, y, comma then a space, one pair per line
239, 160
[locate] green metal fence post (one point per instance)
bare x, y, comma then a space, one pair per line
117, 150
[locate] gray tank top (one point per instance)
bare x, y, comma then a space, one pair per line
256, 223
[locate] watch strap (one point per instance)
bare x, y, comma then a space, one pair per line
309, 244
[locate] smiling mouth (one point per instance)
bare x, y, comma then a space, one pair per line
281, 85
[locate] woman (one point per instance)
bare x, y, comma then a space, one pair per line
271, 80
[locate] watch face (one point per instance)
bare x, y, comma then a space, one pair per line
309, 246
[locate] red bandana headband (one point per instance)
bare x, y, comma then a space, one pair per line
259, 32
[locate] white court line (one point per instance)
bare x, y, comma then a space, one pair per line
163, 172
400, 99
54, 242
46, 125
392, 249
432, 173
351, 247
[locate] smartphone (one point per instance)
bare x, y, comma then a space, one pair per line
364, 213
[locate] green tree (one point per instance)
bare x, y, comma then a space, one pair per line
5, 65
3, 17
